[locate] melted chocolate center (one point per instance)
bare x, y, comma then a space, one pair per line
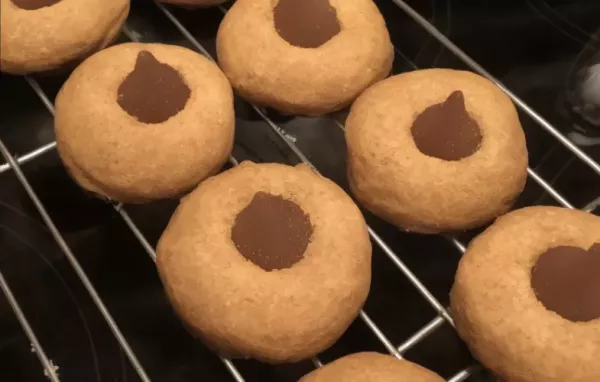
446, 130
566, 280
272, 232
153, 92
306, 23
31, 5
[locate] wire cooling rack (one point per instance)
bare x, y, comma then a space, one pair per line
398, 350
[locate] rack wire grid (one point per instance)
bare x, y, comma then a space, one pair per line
442, 316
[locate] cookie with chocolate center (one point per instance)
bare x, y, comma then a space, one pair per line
436, 150
43, 35
308, 57
266, 261
526, 298
369, 367
138, 122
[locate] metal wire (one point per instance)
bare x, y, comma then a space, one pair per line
379, 334
49, 368
463, 375
30, 156
593, 205
420, 335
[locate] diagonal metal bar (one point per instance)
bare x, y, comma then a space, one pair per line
379, 334
49, 369
317, 362
420, 335
463, 375
592, 206
30, 156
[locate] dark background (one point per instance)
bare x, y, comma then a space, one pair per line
541, 50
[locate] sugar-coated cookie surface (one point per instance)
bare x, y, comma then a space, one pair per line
138, 122
526, 296
370, 367
307, 57
266, 261
436, 150
41, 35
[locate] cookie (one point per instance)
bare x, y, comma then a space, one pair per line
369, 367
304, 57
526, 298
266, 261
193, 3
138, 122
43, 35
436, 150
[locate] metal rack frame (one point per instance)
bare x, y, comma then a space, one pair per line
442, 317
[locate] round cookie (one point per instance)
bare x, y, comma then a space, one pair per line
370, 367
267, 261
138, 122
436, 150
42, 35
193, 3
306, 57
526, 298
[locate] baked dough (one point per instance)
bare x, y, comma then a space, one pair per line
138, 122
304, 57
371, 367
526, 298
267, 261
436, 150
42, 35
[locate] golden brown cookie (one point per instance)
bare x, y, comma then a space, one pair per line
137, 122
41, 35
371, 367
193, 3
304, 57
436, 150
526, 298
267, 261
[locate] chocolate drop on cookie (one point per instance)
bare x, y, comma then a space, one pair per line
31, 5
306, 23
272, 232
446, 130
153, 92
566, 280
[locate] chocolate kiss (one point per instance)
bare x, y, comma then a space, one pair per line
446, 130
31, 5
272, 232
566, 280
153, 92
